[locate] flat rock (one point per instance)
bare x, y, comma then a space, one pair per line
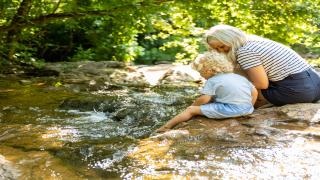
309, 112
7, 170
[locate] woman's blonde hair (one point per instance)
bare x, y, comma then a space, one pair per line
228, 35
212, 60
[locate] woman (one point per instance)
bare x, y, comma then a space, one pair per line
281, 74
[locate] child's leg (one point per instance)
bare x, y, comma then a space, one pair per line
184, 116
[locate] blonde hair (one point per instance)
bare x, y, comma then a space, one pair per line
212, 60
228, 35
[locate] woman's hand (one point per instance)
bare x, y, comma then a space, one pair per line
258, 76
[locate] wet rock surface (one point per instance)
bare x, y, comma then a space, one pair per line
272, 135
307, 112
7, 171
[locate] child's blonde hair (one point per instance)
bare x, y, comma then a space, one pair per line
212, 60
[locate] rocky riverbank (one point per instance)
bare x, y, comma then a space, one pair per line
112, 100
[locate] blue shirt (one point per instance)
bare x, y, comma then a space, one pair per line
229, 88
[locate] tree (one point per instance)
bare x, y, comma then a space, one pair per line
125, 30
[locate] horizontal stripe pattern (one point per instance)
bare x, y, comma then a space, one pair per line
278, 60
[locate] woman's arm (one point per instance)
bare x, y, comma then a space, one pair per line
258, 76
203, 99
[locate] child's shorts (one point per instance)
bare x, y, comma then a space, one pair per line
218, 110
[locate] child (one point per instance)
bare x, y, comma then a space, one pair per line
224, 94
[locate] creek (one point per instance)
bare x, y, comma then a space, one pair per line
59, 129
50, 132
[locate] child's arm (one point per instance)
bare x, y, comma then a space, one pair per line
254, 95
203, 99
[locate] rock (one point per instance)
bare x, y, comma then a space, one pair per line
25, 82
153, 74
213, 141
266, 131
42, 72
10, 108
130, 78
75, 81
181, 74
120, 73
106, 104
172, 135
169, 74
111, 64
7, 170
31, 164
123, 112
26, 70
88, 66
309, 112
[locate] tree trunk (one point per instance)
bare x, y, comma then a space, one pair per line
13, 34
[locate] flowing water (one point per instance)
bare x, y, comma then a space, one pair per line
49, 132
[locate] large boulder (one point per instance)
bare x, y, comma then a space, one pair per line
301, 112
120, 73
207, 148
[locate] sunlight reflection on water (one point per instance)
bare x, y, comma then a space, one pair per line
274, 163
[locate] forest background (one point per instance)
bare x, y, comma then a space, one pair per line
145, 31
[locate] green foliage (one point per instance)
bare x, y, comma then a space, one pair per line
83, 55
314, 62
146, 31
57, 84
176, 34
25, 54
62, 40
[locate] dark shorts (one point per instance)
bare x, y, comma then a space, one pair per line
302, 87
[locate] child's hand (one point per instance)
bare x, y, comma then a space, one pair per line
162, 129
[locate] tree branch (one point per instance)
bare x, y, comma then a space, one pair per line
56, 8
24, 22
51, 17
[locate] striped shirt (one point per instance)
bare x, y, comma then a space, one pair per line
279, 61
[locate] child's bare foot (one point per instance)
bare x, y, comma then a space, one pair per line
162, 129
